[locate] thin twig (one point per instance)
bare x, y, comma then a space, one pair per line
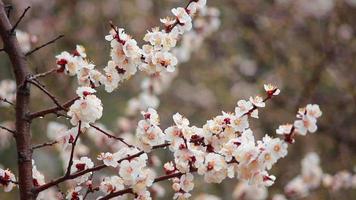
44, 45
70, 163
7, 101
40, 75
53, 110
46, 144
111, 136
20, 19
8, 130
54, 99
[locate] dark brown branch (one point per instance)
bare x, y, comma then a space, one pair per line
22, 125
46, 144
7, 101
43, 45
53, 110
20, 19
111, 136
8, 130
70, 163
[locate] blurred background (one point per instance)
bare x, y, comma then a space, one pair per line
305, 47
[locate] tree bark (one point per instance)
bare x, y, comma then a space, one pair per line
22, 136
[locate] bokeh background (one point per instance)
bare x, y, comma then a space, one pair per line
306, 47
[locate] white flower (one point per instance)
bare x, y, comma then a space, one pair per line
165, 60
272, 150
240, 123
131, 49
180, 121
151, 116
284, 129
168, 21
149, 135
130, 170
111, 184
185, 21
186, 182
214, 168
67, 63
182, 15
82, 164
313, 110
87, 110
243, 107
109, 159
82, 92
169, 167
305, 124
80, 51
257, 101
144, 180
271, 89
7, 179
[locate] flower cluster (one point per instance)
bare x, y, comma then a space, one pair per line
87, 109
131, 172
148, 131
224, 147
126, 56
306, 122
206, 22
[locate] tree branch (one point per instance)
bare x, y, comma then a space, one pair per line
8, 130
19, 20
22, 125
70, 163
36, 76
43, 45
7, 101
53, 110
51, 96
111, 136
46, 144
